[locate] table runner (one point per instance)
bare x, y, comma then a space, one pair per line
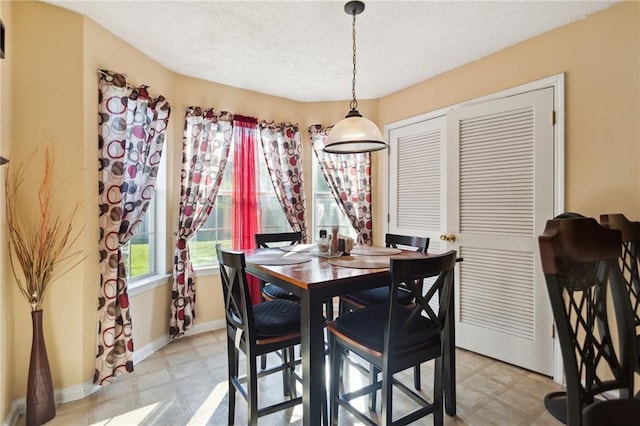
375, 251
361, 262
277, 259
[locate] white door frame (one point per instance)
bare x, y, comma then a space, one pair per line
557, 83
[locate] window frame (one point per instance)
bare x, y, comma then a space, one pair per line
157, 216
345, 228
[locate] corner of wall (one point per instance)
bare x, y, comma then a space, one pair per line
7, 356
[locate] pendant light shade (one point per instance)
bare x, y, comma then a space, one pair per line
354, 134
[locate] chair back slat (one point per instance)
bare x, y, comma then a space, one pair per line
630, 259
409, 274
237, 301
263, 240
421, 244
579, 260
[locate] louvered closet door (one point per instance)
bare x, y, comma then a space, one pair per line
416, 170
417, 188
503, 188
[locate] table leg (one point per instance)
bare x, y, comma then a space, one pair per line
313, 372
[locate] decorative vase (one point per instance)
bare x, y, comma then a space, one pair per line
41, 405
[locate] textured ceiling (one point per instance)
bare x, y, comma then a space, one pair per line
301, 50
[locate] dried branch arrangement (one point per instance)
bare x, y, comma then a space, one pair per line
42, 251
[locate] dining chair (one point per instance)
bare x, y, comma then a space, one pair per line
380, 295
394, 337
256, 330
629, 264
266, 240
580, 265
272, 291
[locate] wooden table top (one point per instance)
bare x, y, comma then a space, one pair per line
318, 271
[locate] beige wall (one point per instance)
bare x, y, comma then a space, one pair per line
599, 55
6, 307
46, 106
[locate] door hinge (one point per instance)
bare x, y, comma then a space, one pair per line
553, 118
388, 217
553, 331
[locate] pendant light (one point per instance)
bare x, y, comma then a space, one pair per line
354, 134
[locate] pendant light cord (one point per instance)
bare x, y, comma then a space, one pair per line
354, 102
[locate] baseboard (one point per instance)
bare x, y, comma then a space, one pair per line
149, 349
73, 393
206, 327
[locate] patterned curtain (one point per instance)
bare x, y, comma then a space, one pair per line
205, 149
131, 131
349, 178
283, 154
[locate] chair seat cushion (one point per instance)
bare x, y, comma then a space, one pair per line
275, 292
367, 326
276, 318
380, 295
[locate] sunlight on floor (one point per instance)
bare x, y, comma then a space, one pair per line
130, 417
355, 379
209, 406
296, 415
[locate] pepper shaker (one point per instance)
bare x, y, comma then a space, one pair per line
334, 239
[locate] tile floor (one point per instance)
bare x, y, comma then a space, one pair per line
184, 383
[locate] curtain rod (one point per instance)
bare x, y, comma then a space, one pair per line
105, 73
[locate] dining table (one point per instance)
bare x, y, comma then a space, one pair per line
315, 277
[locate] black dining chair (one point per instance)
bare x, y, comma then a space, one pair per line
256, 330
580, 264
380, 295
394, 337
267, 240
376, 296
272, 291
629, 264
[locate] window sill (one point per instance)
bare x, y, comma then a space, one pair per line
147, 283
207, 271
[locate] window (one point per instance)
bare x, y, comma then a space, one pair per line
272, 217
326, 211
217, 228
139, 252
144, 254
